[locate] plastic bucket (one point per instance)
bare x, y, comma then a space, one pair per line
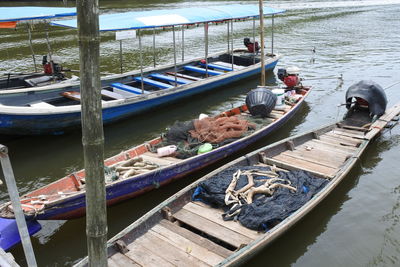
280, 96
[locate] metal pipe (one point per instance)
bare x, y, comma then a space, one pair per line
141, 61
16, 204
206, 45
272, 36
227, 24
175, 69
154, 47
31, 46
120, 55
183, 43
254, 40
50, 54
232, 42
262, 42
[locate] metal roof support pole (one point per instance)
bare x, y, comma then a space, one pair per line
19, 214
262, 42
272, 36
232, 43
92, 131
206, 45
183, 43
254, 40
141, 61
120, 56
227, 24
154, 47
175, 69
50, 53
31, 46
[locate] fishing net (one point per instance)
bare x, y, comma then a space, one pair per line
216, 130
266, 210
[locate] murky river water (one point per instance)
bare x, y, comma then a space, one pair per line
357, 225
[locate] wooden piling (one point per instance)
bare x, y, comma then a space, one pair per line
92, 131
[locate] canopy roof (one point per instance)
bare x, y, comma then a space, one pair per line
170, 17
8, 14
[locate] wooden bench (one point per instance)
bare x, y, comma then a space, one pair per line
169, 78
154, 83
202, 71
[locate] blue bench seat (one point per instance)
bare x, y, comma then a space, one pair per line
128, 88
154, 83
202, 71
169, 78
217, 67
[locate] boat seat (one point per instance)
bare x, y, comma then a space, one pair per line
226, 64
169, 78
112, 95
72, 95
41, 104
202, 71
128, 88
218, 67
154, 83
38, 80
185, 76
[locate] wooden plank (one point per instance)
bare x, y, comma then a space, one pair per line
199, 240
314, 157
338, 140
215, 215
335, 147
164, 161
293, 166
187, 246
378, 125
145, 257
307, 165
350, 133
120, 260
211, 228
170, 253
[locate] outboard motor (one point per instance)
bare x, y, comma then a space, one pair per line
290, 76
53, 66
367, 95
260, 101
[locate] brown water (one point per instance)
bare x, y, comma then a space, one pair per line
357, 225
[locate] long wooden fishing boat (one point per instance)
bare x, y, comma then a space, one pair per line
55, 108
65, 198
268, 190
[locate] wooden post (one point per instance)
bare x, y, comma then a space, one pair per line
92, 131
19, 214
262, 42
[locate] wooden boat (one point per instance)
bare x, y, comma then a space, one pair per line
56, 108
183, 231
65, 198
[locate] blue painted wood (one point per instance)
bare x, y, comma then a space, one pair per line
128, 88
154, 83
169, 78
218, 67
202, 71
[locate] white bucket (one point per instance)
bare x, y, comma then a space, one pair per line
280, 96
166, 150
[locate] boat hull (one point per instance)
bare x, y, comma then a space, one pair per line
74, 206
23, 122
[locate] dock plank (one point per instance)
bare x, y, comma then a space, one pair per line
199, 240
168, 252
187, 246
215, 215
120, 260
211, 228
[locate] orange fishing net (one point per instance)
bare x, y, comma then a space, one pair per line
216, 130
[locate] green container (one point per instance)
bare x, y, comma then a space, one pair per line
204, 148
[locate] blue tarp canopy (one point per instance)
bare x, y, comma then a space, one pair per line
8, 14
170, 17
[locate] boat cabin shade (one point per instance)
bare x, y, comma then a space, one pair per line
173, 17
14, 14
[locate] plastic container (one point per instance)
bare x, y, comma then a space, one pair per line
166, 151
204, 148
280, 97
